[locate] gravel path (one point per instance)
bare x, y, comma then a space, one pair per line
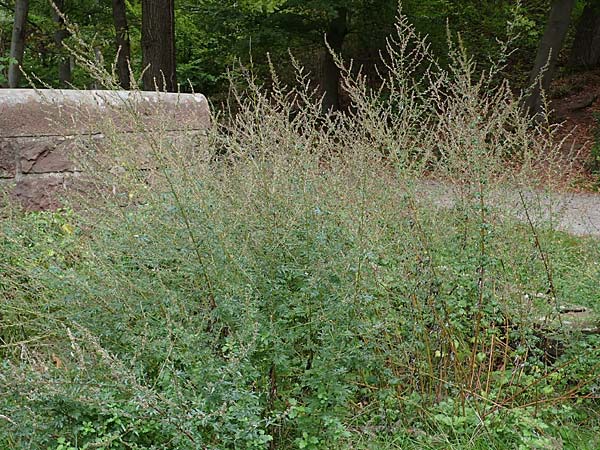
575, 213
580, 214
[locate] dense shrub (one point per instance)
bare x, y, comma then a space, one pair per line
304, 283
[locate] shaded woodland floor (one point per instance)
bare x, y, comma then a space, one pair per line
575, 102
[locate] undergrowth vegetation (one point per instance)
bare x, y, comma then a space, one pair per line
294, 280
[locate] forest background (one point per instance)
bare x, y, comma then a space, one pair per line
197, 41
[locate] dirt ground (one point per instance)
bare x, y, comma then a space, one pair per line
575, 100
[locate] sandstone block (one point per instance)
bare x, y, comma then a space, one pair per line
46, 154
39, 193
44, 133
8, 159
48, 112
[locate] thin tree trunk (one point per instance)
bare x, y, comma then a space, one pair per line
586, 46
122, 42
64, 60
99, 60
547, 53
17, 43
330, 73
158, 45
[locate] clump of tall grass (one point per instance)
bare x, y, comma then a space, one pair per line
294, 280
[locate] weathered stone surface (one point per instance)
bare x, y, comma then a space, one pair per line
28, 112
559, 329
8, 159
46, 154
43, 133
142, 151
571, 318
40, 193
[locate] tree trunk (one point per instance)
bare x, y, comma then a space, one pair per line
122, 42
17, 43
158, 45
64, 60
586, 46
330, 74
99, 60
547, 53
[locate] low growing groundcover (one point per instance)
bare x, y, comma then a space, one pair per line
303, 335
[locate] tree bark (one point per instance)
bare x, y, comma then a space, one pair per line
158, 45
547, 53
17, 43
122, 42
586, 46
330, 73
64, 60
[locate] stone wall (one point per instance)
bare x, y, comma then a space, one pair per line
41, 132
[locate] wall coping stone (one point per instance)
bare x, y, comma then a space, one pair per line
42, 129
63, 112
